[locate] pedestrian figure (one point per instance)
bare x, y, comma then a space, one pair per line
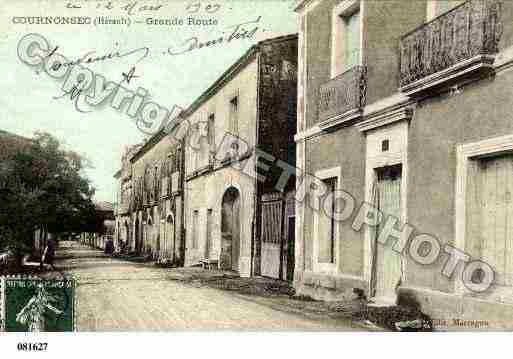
109, 246
49, 253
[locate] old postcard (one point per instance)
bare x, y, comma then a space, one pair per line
270, 165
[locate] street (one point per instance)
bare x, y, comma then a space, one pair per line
118, 295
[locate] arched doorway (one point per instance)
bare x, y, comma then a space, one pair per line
170, 237
230, 229
148, 243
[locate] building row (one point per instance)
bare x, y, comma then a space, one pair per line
190, 195
402, 108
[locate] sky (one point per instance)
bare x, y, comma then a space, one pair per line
29, 99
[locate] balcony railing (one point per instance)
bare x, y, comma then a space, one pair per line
461, 40
342, 98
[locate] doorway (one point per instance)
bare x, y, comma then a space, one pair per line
271, 237
230, 229
148, 241
489, 208
138, 239
170, 238
387, 266
291, 240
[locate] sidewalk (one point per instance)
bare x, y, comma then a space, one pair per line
280, 295
117, 294
277, 294
273, 293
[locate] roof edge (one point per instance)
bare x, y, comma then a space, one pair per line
212, 89
301, 5
232, 70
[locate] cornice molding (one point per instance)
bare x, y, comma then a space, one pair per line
305, 5
386, 116
388, 110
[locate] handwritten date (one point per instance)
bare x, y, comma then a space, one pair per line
135, 7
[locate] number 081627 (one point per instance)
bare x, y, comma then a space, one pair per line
32, 347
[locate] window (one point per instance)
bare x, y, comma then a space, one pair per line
385, 145
201, 141
170, 169
234, 116
326, 229
210, 129
156, 184
345, 36
211, 136
199, 145
352, 40
446, 5
208, 244
148, 184
195, 215
438, 7
164, 178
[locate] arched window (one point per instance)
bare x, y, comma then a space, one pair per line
156, 183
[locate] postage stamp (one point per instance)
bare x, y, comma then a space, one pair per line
37, 305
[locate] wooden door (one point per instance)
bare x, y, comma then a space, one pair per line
226, 237
271, 238
388, 262
490, 215
230, 230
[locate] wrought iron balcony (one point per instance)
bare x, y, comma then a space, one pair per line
459, 42
342, 98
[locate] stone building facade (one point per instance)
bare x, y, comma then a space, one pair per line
122, 207
149, 215
405, 107
246, 117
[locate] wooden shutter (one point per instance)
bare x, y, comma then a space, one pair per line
490, 214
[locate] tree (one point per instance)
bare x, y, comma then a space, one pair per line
43, 187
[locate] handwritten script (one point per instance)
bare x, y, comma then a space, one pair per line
245, 30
